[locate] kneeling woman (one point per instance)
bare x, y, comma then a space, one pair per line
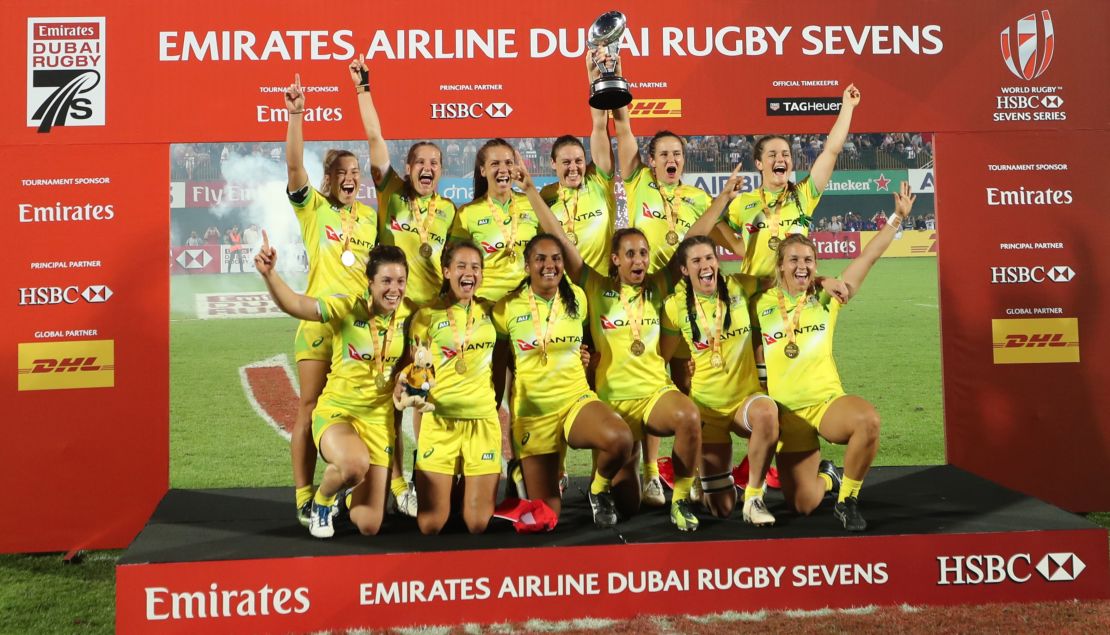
797, 322
552, 405
463, 434
352, 425
709, 311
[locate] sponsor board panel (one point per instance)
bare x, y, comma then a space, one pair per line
614, 581
218, 306
909, 243
1020, 276
1012, 68
837, 244
87, 351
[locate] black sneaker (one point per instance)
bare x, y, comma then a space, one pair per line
304, 513
604, 508
827, 467
847, 512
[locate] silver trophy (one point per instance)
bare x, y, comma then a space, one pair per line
610, 91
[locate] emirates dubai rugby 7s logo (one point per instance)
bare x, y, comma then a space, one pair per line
1027, 46
65, 72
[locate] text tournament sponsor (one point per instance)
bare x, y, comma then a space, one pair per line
65, 72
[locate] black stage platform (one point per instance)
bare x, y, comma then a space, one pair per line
236, 561
219, 524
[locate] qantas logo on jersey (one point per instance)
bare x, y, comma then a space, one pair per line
331, 234
354, 354
701, 346
608, 324
648, 212
529, 346
492, 248
801, 221
448, 353
398, 226
525, 346
771, 338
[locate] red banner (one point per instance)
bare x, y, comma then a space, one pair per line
130, 68
1022, 311
615, 581
87, 350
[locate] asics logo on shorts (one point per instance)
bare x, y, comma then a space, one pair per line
317, 342
429, 452
524, 439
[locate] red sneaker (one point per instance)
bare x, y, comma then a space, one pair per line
666, 471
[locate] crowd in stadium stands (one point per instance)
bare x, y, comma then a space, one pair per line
853, 222
711, 153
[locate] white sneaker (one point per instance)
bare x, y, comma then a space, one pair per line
320, 523
652, 495
406, 502
697, 494
755, 513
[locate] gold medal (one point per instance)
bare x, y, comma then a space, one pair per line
426, 250
672, 238
543, 358
572, 237
460, 365
773, 243
381, 382
348, 258
638, 347
791, 350
512, 253
716, 360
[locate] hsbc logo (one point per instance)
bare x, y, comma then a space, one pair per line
93, 294
474, 110
1023, 275
994, 569
1028, 46
193, 258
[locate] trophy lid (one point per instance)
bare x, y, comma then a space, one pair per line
607, 28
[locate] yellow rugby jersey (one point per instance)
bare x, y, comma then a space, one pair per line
477, 221
747, 218
459, 396
622, 375
647, 213
323, 231
593, 204
811, 377
397, 225
736, 379
351, 381
543, 389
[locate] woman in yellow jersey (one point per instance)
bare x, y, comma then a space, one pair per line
338, 233
498, 220
352, 425
413, 216
779, 207
583, 199
552, 405
709, 311
625, 307
797, 324
463, 434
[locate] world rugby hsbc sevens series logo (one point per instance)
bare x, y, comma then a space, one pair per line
1027, 47
65, 72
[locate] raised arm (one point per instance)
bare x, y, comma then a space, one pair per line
857, 270
601, 147
826, 161
294, 136
628, 151
716, 210
379, 150
288, 300
523, 180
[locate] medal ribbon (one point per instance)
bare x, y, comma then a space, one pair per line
668, 208
772, 219
349, 220
422, 218
551, 317
571, 206
381, 351
509, 238
635, 320
790, 321
714, 335
462, 338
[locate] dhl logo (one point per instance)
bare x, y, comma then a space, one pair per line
1036, 341
655, 108
64, 365
931, 248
